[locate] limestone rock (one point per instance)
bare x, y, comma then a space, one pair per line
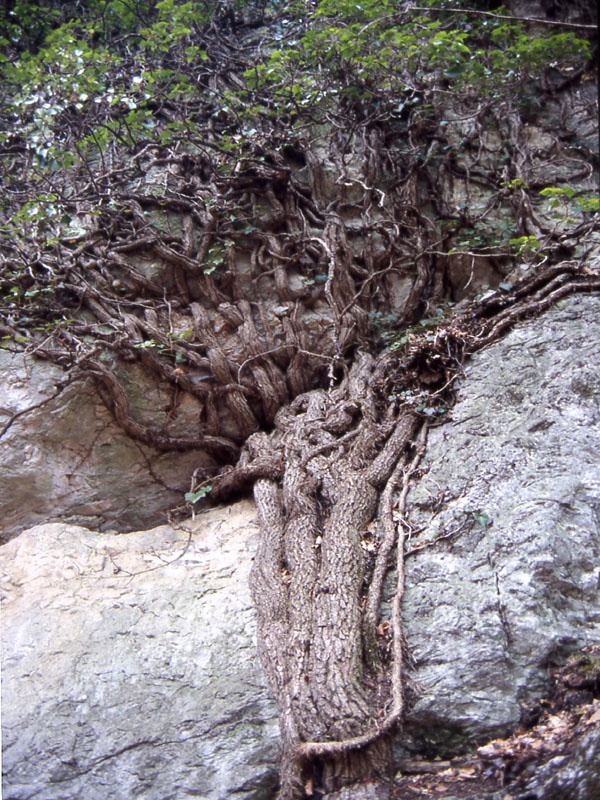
513, 483
67, 458
130, 667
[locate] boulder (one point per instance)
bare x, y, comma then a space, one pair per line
575, 776
130, 667
572, 777
64, 457
510, 504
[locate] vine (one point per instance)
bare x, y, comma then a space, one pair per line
285, 210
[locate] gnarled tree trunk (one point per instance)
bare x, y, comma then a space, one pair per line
333, 461
310, 579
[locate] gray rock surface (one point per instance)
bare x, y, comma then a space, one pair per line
128, 676
129, 664
516, 477
573, 777
67, 458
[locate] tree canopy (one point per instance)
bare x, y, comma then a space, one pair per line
231, 98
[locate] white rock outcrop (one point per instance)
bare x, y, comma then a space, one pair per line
130, 668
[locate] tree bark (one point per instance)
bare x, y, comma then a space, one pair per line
309, 579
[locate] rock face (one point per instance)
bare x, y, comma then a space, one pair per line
129, 660
572, 777
513, 483
130, 667
67, 458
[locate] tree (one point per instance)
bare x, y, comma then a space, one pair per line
258, 202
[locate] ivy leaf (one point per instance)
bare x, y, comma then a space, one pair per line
193, 497
482, 519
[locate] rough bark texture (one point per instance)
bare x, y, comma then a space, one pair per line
310, 576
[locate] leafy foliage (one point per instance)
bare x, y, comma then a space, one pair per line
373, 54
118, 116
200, 494
106, 73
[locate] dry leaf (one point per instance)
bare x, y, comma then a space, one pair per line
467, 772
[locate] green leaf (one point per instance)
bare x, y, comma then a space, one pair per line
482, 519
589, 204
193, 497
